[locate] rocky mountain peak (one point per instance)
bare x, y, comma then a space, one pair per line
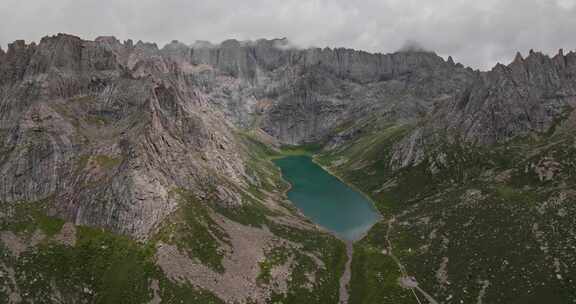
129, 43
146, 46
19, 46
508, 101
15, 61
198, 44
560, 59
177, 51
147, 54
70, 54
175, 46
59, 37
60, 51
518, 58
2, 55
107, 39
230, 44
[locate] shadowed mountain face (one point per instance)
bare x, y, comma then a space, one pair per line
171, 147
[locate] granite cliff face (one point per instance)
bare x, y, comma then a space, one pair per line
301, 95
126, 137
171, 147
82, 126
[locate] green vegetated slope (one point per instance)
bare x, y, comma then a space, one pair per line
101, 267
488, 225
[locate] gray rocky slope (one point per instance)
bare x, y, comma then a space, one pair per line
126, 137
70, 105
109, 130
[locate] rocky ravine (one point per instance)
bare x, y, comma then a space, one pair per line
170, 146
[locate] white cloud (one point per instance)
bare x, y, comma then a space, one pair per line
477, 33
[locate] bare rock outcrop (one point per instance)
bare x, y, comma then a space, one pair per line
108, 130
529, 96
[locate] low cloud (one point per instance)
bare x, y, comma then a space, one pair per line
412, 46
476, 33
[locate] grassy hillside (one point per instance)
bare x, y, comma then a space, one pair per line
492, 224
43, 259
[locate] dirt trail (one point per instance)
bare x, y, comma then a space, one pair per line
406, 280
345, 279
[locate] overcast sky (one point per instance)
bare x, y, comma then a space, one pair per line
478, 33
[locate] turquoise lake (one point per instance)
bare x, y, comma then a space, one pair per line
326, 200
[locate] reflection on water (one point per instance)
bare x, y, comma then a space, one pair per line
325, 199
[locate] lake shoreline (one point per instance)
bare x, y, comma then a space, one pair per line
380, 216
300, 212
346, 275
313, 159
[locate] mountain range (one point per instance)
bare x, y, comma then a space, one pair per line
137, 174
